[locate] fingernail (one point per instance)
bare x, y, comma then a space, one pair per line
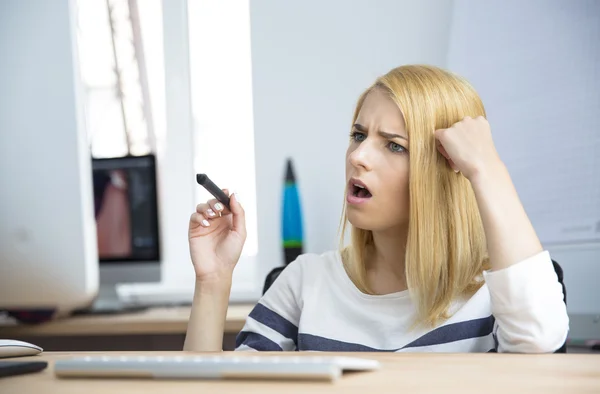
219, 206
237, 197
210, 212
205, 223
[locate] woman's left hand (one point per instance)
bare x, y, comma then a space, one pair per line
468, 146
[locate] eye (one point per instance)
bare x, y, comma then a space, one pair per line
396, 148
357, 137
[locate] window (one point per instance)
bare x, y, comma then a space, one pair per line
122, 74
126, 111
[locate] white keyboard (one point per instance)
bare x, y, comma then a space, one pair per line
212, 367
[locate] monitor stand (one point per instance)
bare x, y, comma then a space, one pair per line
108, 303
114, 275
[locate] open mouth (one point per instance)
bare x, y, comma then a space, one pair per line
360, 191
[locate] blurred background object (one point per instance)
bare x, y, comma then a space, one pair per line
291, 216
291, 225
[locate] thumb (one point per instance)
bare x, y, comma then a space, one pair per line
442, 150
239, 215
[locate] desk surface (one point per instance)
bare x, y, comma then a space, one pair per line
151, 321
401, 372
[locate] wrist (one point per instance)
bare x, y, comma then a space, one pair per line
214, 285
491, 174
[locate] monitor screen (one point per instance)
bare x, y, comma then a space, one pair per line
126, 211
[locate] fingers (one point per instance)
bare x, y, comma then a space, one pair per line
199, 219
443, 152
207, 212
447, 156
213, 209
217, 208
441, 136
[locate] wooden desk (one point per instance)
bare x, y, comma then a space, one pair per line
401, 373
133, 331
151, 321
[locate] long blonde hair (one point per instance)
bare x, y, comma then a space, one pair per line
446, 248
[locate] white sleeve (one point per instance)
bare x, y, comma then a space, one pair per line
527, 302
273, 323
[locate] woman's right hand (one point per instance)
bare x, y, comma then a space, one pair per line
216, 237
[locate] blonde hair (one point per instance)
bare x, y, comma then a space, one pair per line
446, 248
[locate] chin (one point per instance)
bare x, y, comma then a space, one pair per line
361, 220
364, 221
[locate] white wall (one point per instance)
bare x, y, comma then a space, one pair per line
311, 59
535, 64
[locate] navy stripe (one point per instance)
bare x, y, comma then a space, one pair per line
274, 321
313, 342
455, 332
256, 342
441, 335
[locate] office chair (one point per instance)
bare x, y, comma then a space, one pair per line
272, 276
559, 274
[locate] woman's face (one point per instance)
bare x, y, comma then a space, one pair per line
377, 166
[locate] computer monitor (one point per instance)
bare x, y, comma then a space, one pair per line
48, 257
126, 212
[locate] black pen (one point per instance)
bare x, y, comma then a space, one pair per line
213, 189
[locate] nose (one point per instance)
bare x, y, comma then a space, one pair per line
360, 157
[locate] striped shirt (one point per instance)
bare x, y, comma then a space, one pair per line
314, 306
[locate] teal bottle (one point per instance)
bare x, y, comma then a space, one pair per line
291, 225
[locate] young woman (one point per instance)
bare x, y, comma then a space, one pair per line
442, 256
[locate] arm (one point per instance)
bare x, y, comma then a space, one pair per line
527, 302
526, 297
469, 148
509, 233
216, 238
207, 319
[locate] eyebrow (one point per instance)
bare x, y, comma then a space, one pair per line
363, 129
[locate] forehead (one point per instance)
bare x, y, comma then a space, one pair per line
379, 110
